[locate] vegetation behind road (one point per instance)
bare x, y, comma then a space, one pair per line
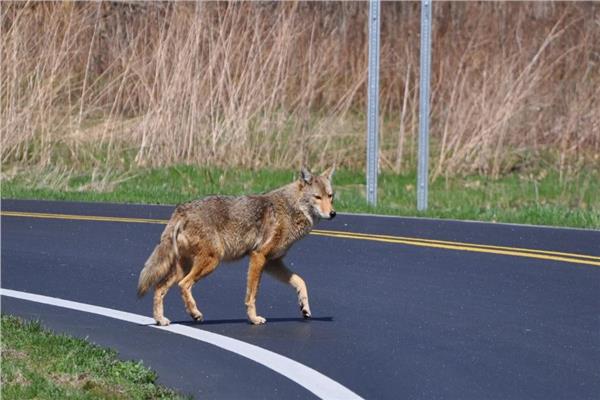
107, 101
257, 85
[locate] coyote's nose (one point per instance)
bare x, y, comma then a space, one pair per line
332, 214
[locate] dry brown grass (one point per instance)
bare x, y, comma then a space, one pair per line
515, 85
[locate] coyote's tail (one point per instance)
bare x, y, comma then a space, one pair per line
161, 260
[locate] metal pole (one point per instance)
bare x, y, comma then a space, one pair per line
373, 104
422, 174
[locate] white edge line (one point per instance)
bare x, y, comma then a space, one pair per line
310, 379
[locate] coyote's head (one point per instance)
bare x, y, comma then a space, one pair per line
317, 193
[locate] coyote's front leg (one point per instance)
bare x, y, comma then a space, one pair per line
278, 269
257, 263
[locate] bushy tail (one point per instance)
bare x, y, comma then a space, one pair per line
160, 261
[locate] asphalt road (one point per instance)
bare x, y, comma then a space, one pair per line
480, 311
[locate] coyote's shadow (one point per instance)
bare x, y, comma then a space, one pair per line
245, 321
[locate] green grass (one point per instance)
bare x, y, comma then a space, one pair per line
542, 200
37, 364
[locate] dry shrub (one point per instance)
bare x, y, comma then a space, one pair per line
277, 84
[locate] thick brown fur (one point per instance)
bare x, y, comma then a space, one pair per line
202, 233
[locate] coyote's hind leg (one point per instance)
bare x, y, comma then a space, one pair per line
202, 266
160, 291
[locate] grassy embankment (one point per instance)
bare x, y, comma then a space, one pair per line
37, 364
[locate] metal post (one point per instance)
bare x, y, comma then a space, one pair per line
373, 104
422, 174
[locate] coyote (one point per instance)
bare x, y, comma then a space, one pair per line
204, 232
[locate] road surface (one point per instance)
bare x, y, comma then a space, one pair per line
403, 308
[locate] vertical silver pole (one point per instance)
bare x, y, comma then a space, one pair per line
373, 104
422, 174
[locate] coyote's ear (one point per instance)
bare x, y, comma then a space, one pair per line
328, 173
306, 176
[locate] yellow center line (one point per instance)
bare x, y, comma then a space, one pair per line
443, 242
438, 244
516, 253
82, 217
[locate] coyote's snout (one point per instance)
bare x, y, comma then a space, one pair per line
202, 233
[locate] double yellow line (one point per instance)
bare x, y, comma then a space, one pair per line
82, 217
438, 244
478, 248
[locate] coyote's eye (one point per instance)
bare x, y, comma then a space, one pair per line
317, 197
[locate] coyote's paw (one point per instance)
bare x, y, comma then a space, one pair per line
258, 320
197, 316
304, 307
163, 321
305, 312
